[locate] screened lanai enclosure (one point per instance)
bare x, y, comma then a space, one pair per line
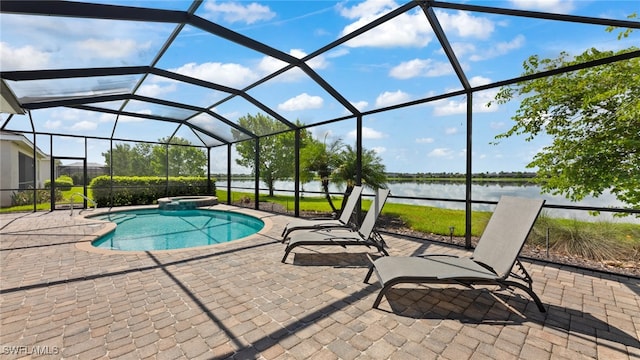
83, 82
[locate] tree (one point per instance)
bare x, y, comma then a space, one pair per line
593, 117
150, 160
125, 160
322, 159
337, 162
183, 160
373, 170
276, 159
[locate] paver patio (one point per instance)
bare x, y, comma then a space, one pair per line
237, 300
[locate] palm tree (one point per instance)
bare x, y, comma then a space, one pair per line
338, 163
373, 170
320, 158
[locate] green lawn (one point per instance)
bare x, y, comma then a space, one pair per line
66, 195
595, 240
599, 240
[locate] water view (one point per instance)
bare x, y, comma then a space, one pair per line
480, 192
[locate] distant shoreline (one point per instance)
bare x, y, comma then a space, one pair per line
502, 177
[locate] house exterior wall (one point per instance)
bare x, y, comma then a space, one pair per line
8, 171
10, 147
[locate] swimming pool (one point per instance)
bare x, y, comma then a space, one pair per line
155, 229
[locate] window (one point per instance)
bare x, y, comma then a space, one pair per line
26, 173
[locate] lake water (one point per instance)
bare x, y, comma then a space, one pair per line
479, 192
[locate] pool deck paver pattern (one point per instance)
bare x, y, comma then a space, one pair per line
237, 300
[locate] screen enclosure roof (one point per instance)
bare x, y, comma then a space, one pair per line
122, 69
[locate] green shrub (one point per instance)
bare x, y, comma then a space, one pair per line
145, 190
63, 183
25, 197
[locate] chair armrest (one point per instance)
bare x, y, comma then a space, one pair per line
428, 255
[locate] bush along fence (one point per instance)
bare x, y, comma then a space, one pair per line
146, 190
63, 183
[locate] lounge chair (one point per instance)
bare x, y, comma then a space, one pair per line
492, 261
365, 235
344, 221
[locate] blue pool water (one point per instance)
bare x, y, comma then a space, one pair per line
154, 229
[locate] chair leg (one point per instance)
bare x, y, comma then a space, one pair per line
529, 291
286, 253
381, 294
369, 273
288, 250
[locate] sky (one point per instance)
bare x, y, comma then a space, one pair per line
397, 62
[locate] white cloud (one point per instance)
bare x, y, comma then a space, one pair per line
112, 48
238, 12
466, 25
479, 80
52, 124
420, 67
462, 48
106, 118
73, 119
233, 115
449, 107
130, 119
499, 49
360, 105
339, 52
555, 6
372, 8
269, 65
441, 152
379, 149
303, 101
22, 58
367, 133
406, 30
425, 140
233, 75
389, 98
84, 125
155, 90
318, 62
206, 122
480, 101
451, 131
75, 43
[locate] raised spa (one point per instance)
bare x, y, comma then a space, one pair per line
156, 229
186, 202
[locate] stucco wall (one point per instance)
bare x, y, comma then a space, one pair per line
9, 165
8, 171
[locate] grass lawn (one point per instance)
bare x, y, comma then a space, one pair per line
66, 195
593, 240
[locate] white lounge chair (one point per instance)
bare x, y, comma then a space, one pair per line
492, 261
365, 235
344, 221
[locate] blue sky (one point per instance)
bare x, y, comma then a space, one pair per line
397, 62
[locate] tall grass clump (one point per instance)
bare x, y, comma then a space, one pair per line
600, 241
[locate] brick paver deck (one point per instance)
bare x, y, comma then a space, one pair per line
237, 300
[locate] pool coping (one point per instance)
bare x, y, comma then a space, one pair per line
85, 244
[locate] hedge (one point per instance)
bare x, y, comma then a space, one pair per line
63, 183
145, 190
